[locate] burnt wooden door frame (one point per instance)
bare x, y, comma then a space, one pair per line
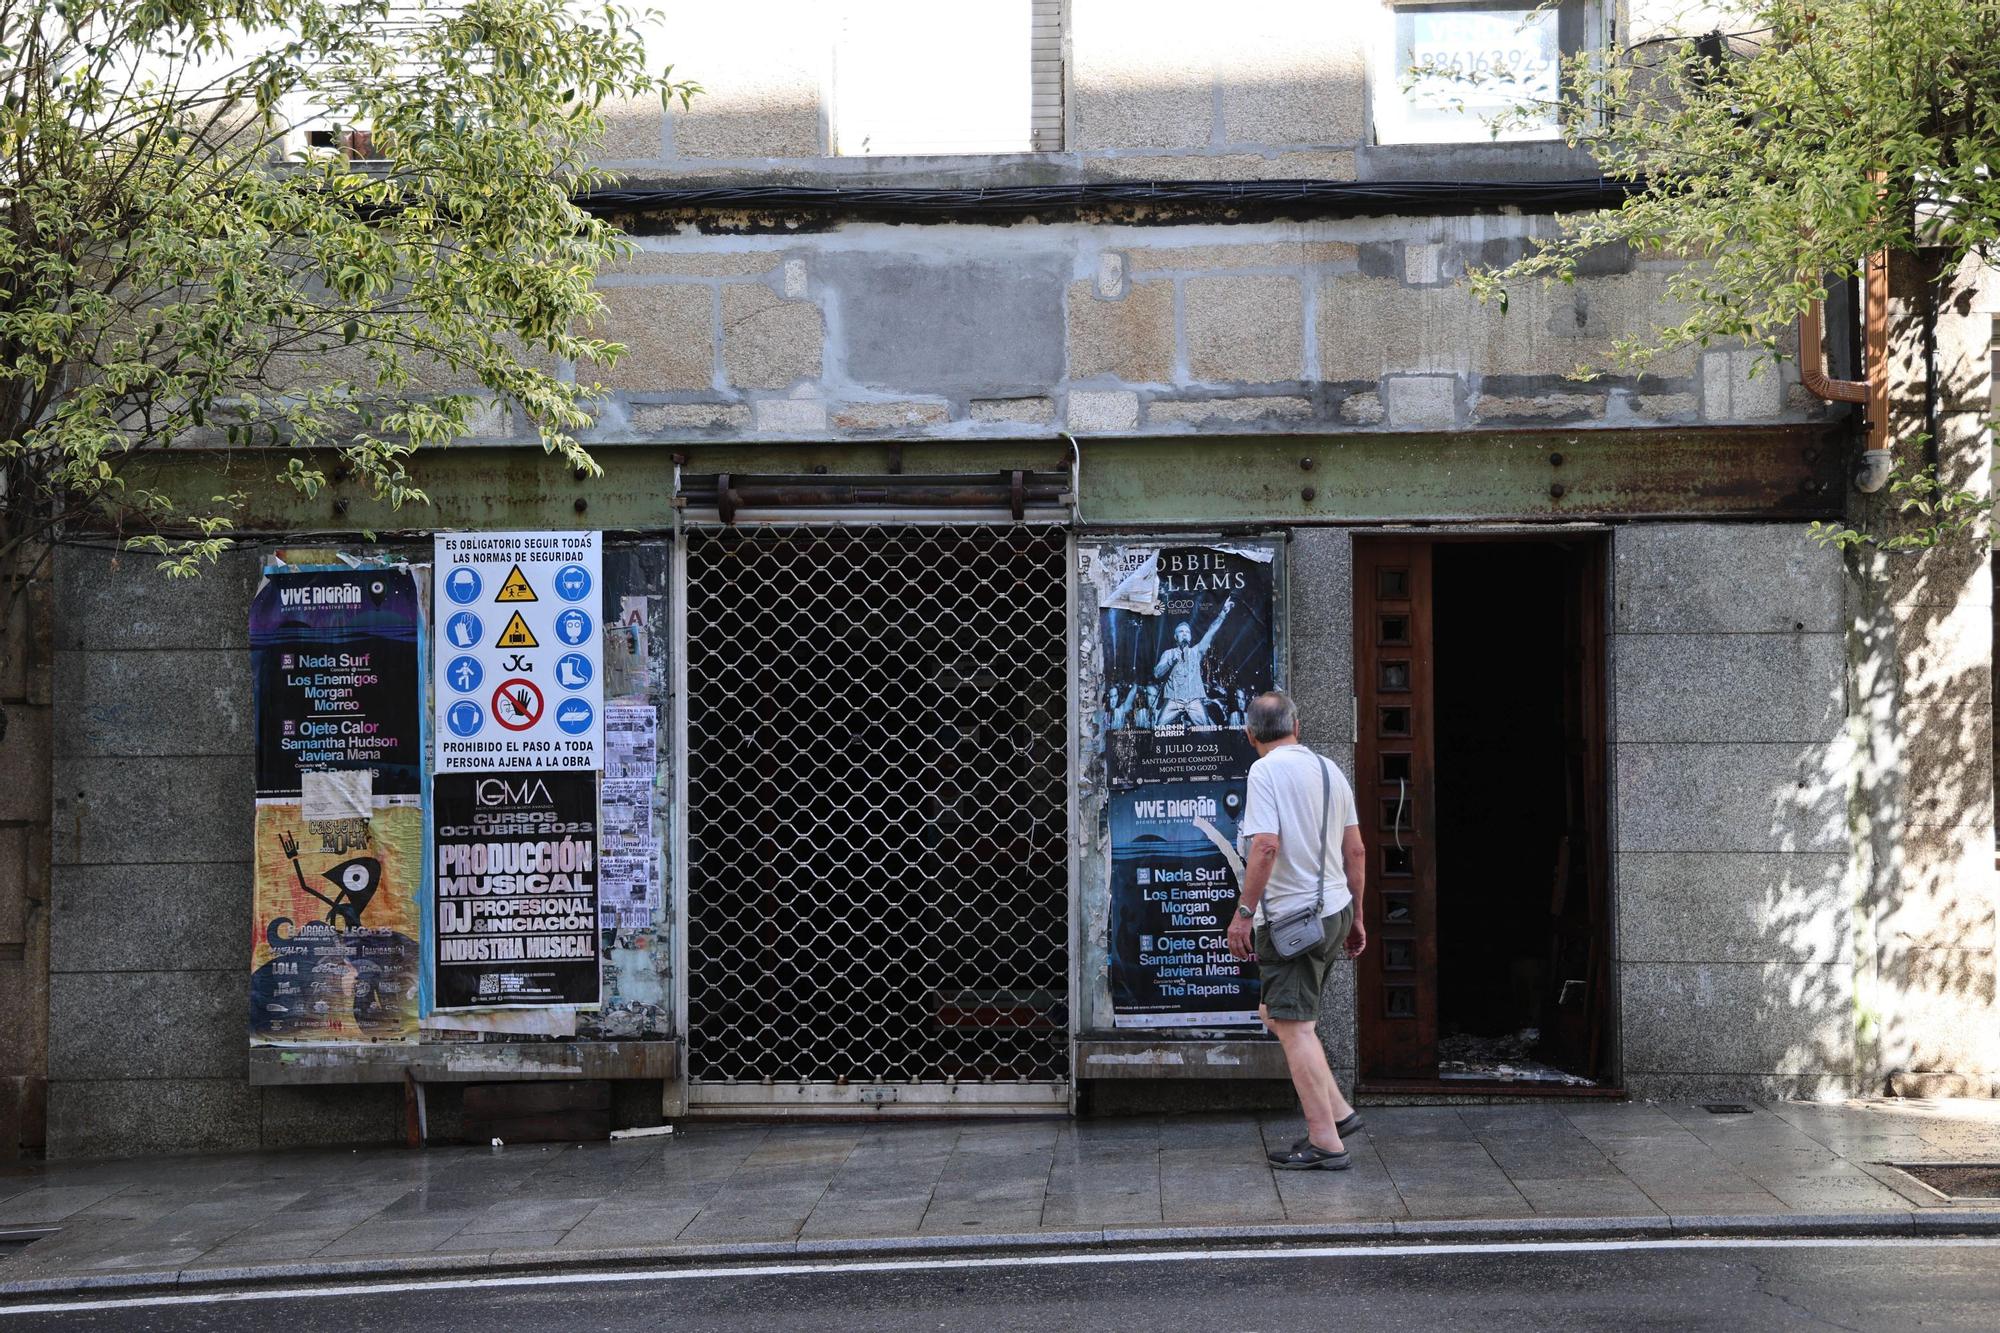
1394, 760
1396, 977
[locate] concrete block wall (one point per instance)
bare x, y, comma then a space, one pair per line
152, 807
873, 331
1734, 891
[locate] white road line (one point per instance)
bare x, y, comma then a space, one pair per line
1085, 1258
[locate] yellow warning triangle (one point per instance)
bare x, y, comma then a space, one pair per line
515, 589
517, 634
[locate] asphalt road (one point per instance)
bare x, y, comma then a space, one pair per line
1724, 1285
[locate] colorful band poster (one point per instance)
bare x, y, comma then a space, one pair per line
334, 946
338, 864
1185, 634
334, 659
1172, 893
515, 890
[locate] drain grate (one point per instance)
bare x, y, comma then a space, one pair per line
1725, 1108
1957, 1180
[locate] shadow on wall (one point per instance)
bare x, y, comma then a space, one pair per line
1805, 830
1922, 809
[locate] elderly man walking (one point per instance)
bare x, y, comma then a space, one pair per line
1305, 852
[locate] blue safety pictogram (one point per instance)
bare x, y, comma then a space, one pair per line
462, 585
573, 671
572, 583
573, 627
464, 630
464, 674
574, 716
464, 718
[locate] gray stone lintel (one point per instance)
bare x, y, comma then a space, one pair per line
463, 1062
1172, 1058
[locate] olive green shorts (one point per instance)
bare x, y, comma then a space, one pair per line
1292, 985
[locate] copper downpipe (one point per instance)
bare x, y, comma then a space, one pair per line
1876, 459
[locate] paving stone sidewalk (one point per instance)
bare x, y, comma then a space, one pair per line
716, 1186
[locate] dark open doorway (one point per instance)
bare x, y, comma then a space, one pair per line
1514, 913
1483, 692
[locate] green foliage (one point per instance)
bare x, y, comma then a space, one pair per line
1780, 150
1775, 150
180, 265
1932, 514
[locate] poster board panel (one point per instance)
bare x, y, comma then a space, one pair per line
515, 890
336, 924
1185, 637
520, 652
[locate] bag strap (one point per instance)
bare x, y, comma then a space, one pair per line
1325, 822
1325, 818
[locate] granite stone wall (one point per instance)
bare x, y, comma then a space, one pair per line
152, 810
1322, 678
1732, 857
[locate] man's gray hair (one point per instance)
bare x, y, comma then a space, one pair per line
1272, 716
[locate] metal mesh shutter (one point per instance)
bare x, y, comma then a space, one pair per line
877, 804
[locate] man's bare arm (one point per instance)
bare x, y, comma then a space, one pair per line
1257, 869
1354, 860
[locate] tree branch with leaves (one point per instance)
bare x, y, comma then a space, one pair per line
305, 224
1775, 148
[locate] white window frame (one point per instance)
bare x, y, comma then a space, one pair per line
1581, 24
1045, 28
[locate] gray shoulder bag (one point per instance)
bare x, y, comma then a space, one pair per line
1305, 929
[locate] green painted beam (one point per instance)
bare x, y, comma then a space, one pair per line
1380, 477
1530, 475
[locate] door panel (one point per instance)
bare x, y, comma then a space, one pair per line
1394, 761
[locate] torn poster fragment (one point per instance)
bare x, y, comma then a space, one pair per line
342, 793
628, 649
631, 874
1127, 578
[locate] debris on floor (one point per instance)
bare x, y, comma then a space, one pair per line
1505, 1059
1525, 1071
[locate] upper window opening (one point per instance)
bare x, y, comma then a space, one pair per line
1451, 70
919, 77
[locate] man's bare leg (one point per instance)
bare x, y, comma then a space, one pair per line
1312, 1079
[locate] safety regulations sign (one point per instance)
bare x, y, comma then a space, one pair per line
520, 679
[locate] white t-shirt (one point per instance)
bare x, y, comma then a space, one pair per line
1287, 797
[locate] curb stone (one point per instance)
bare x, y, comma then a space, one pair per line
1933, 1221
1973, 1221
1534, 1228
1795, 1224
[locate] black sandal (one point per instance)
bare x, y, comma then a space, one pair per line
1341, 1127
1314, 1158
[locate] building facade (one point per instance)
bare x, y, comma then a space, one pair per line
943, 408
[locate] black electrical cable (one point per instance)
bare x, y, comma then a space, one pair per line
1317, 197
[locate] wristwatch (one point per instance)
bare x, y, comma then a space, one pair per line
1247, 913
